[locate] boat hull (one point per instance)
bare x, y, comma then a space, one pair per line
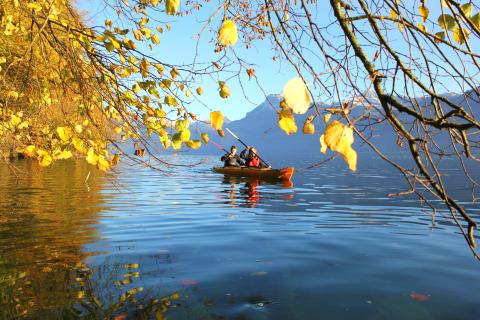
274, 174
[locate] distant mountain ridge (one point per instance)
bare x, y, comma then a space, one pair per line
260, 128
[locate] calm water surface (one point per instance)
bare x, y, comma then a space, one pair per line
198, 245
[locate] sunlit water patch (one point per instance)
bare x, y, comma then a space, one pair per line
199, 245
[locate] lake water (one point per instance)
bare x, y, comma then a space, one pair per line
138, 244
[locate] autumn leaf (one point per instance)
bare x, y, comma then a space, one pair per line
251, 73
446, 22
194, 144
296, 95
424, 12
185, 135
44, 158
115, 160
224, 90
216, 120
308, 127
78, 144
419, 297
64, 133
227, 35
327, 117
459, 37
199, 91
286, 121
338, 137
171, 6
29, 151
467, 9
91, 158
205, 138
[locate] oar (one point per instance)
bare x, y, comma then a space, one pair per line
219, 146
240, 140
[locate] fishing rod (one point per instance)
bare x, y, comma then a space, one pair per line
240, 140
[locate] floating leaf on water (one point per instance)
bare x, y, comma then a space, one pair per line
189, 282
420, 297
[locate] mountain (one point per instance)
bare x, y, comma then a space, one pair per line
260, 128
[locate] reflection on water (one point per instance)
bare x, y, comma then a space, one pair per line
201, 245
247, 191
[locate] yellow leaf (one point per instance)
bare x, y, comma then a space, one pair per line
422, 27
205, 138
440, 35
62, 155
171, 6
92, 158
103, 164
194, 144
78, 144
78, 128
155, 39
13, 94
476, 20
424, 12
146, 32
170, 100
115, 160
185, 135
174, 73
181, 125
227, 35
467, 9
159, 68
221, 133
15, 121
323, 146
224, 90
296, 95
199, 91
176, 144
286, 121
216, 120
166, 143
393, 14
338, 137
44, 158
308, 127
138, 35
458, 35
188, 93
326, 117
29, 151
64, 133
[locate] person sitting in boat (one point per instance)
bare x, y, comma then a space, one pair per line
253, 160
232, 159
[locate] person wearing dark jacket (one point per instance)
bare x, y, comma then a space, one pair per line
232, 159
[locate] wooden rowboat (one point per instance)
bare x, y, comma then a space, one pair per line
274, 174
